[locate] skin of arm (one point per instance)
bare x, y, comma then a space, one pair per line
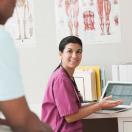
20, 118
89, 109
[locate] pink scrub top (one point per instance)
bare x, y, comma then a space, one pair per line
60, 100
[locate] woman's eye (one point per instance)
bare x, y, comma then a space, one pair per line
69, 51
79, 52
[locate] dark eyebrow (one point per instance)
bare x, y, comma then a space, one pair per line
69, 49
72, 49
80, 49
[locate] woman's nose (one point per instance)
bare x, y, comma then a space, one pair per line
74, 55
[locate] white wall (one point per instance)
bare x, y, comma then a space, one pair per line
38, 63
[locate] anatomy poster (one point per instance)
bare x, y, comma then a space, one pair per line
94, 21
21, 24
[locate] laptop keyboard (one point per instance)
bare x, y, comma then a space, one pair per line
116, 108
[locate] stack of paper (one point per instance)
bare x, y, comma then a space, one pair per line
85, 81
97, 71
88, 82
122, 73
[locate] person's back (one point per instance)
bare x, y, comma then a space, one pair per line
13, 104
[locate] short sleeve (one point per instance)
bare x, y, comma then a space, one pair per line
11, 85
65, 97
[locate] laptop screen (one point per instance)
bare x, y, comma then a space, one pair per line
120, 91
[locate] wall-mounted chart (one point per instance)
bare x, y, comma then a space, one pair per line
94, 21
21, 24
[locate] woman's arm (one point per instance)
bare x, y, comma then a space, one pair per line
89, 109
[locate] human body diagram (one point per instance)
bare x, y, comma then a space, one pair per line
72, 12
24, 20
89, 18
104, 9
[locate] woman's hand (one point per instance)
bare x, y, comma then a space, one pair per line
107, 102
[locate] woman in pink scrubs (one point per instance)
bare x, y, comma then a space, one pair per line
61, 107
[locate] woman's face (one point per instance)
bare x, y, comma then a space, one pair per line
71, 55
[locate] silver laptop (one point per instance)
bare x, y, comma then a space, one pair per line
119, 90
